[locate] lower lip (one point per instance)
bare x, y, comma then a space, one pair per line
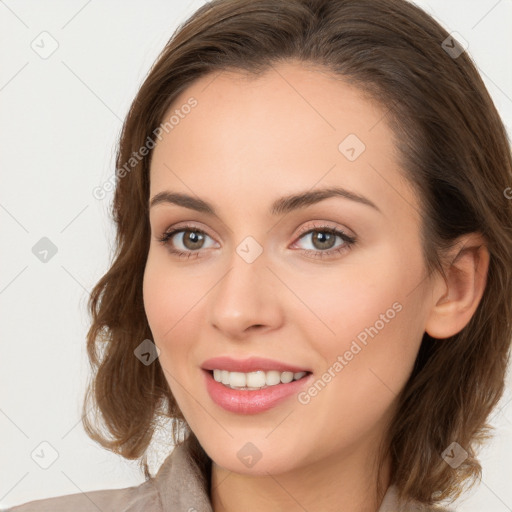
243, 401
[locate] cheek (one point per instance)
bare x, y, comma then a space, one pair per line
365, 366
352, 306
169, 297
158, 302
373, 322
165, 303
173, 302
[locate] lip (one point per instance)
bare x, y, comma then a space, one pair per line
251, 364
244, 401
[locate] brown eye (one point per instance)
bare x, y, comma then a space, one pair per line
184, 241
192, 240
323, 240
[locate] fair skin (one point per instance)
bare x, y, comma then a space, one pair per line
245, 144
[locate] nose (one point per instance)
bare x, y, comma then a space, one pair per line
244, 300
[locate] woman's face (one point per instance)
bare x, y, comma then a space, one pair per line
347, 308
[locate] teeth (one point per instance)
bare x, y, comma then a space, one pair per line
273, 377
286, 377
255, 380
237, 380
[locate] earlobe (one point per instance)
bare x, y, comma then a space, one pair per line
457, 295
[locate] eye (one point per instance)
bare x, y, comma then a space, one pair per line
192, 240
323, 239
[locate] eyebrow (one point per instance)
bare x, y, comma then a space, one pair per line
279, 206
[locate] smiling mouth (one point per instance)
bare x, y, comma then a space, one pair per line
256, 380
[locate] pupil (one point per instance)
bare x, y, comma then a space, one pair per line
323, 238
193, 238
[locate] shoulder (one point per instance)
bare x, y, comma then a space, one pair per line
130, 499
177, 484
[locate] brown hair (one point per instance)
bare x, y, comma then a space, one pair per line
453, 149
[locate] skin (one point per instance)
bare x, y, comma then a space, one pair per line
246, 143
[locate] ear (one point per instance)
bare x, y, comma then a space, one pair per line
456, 296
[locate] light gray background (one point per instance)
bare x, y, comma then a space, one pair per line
60, 117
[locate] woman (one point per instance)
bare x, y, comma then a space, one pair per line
313, 269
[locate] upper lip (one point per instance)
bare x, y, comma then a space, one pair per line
249, 365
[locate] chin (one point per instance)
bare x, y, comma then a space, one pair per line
257, 457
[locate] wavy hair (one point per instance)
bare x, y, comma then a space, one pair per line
454, 151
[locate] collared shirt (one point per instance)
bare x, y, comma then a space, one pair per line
178, 486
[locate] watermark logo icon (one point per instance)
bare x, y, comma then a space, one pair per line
249, 454
351, 147
454, 455
45, 45
454, 45
147, 352
249, 249
44, 250
44, 455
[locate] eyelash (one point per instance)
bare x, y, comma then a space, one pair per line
349, 241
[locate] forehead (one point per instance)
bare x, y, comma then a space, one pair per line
288, 129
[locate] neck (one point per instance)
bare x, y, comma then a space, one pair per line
340, 482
